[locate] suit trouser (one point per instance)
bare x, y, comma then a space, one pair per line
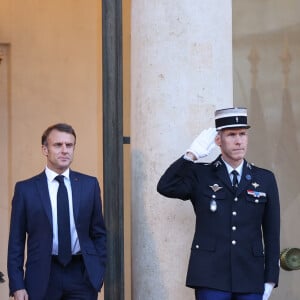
69, 282
211, 294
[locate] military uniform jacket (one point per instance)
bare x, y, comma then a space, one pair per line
236, 241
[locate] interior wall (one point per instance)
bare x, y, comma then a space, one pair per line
266, 60
50, 72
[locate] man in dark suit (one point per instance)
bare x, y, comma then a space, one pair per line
58, 215
235, 250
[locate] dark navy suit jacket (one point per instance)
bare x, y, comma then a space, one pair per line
31, 219
236, 247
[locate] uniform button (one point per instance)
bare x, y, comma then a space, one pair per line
234, 213
213, 196
256, 200
233, 242
236, 199
233, 228
197, 246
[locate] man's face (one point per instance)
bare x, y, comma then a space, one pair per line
233, 144
59, 150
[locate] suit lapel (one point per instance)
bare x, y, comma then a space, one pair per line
76, 188
42, 186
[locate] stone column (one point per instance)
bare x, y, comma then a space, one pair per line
181, 72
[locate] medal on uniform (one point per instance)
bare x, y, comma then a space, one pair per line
213, 205
256, 194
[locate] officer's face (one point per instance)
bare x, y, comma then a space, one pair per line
233, 144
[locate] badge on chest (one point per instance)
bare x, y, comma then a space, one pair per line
213, 204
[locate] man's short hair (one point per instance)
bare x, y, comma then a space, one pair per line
63, 127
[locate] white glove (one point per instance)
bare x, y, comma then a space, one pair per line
203, 143
268, 290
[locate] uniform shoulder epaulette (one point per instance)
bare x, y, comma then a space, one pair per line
253, 166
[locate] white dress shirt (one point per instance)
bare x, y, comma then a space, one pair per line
239, 169
53, 187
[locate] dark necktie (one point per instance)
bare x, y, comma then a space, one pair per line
63, 223
235, 181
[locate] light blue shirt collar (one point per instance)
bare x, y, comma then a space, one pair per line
239, 169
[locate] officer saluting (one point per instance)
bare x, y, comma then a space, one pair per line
235, 250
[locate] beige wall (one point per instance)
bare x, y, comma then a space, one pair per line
50, 72
4, 161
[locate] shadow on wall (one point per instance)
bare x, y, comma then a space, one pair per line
161, 234
147, 280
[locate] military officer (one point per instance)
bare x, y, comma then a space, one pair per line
235, 250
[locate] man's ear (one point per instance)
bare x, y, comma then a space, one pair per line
218, 139
45, 150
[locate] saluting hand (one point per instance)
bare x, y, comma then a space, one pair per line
203, 144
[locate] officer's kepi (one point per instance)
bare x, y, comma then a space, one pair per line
235, 117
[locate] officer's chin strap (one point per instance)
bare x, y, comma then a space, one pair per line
290, 259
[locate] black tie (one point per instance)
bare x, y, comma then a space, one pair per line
235, 182
63, 223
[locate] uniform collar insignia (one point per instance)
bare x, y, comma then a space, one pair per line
255, 185
215, 187
249, 166
218, 163
248, 177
